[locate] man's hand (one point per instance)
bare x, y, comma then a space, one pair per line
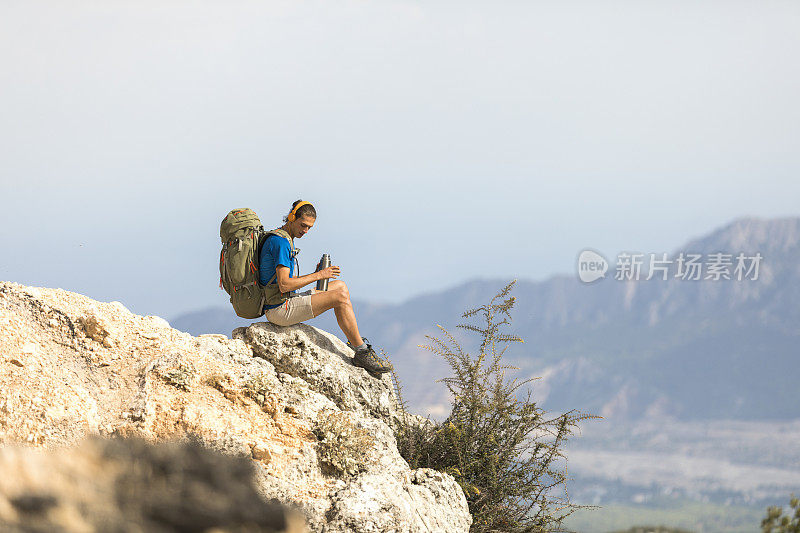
329, 273
287, 284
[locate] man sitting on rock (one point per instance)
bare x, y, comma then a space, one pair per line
276, 268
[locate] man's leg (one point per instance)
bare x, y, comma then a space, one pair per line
337, 297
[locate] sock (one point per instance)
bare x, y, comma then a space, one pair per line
362, 347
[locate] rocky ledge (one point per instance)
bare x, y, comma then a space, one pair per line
317, 430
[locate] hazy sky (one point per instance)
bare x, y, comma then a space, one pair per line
439, 141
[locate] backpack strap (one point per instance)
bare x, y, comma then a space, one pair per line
281, 232
294, 251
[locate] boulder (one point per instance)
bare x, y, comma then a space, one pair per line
318, 431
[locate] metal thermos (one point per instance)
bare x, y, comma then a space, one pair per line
325, 262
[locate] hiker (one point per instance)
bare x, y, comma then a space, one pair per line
277, 276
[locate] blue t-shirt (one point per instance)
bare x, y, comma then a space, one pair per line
276, 251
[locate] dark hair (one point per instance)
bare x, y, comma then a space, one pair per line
307, 209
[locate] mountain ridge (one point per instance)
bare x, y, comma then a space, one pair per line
680, 348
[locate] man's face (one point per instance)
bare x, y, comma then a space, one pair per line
302, 225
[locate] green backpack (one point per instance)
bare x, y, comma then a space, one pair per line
242, 236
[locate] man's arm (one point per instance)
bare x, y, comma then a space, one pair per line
287, 284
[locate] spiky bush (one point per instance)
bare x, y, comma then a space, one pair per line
505, 452
777, 522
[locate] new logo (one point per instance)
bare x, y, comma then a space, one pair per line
591, 266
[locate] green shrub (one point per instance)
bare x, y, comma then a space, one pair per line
181, 376
257, 387
777, 522
506, 453
344, 447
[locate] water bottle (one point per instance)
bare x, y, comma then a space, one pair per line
325, 262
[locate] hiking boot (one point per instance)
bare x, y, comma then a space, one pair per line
368, 360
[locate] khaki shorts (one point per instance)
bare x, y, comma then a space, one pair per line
295, 309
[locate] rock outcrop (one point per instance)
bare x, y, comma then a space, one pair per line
318, 430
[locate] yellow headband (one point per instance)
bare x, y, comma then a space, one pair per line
293, 213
